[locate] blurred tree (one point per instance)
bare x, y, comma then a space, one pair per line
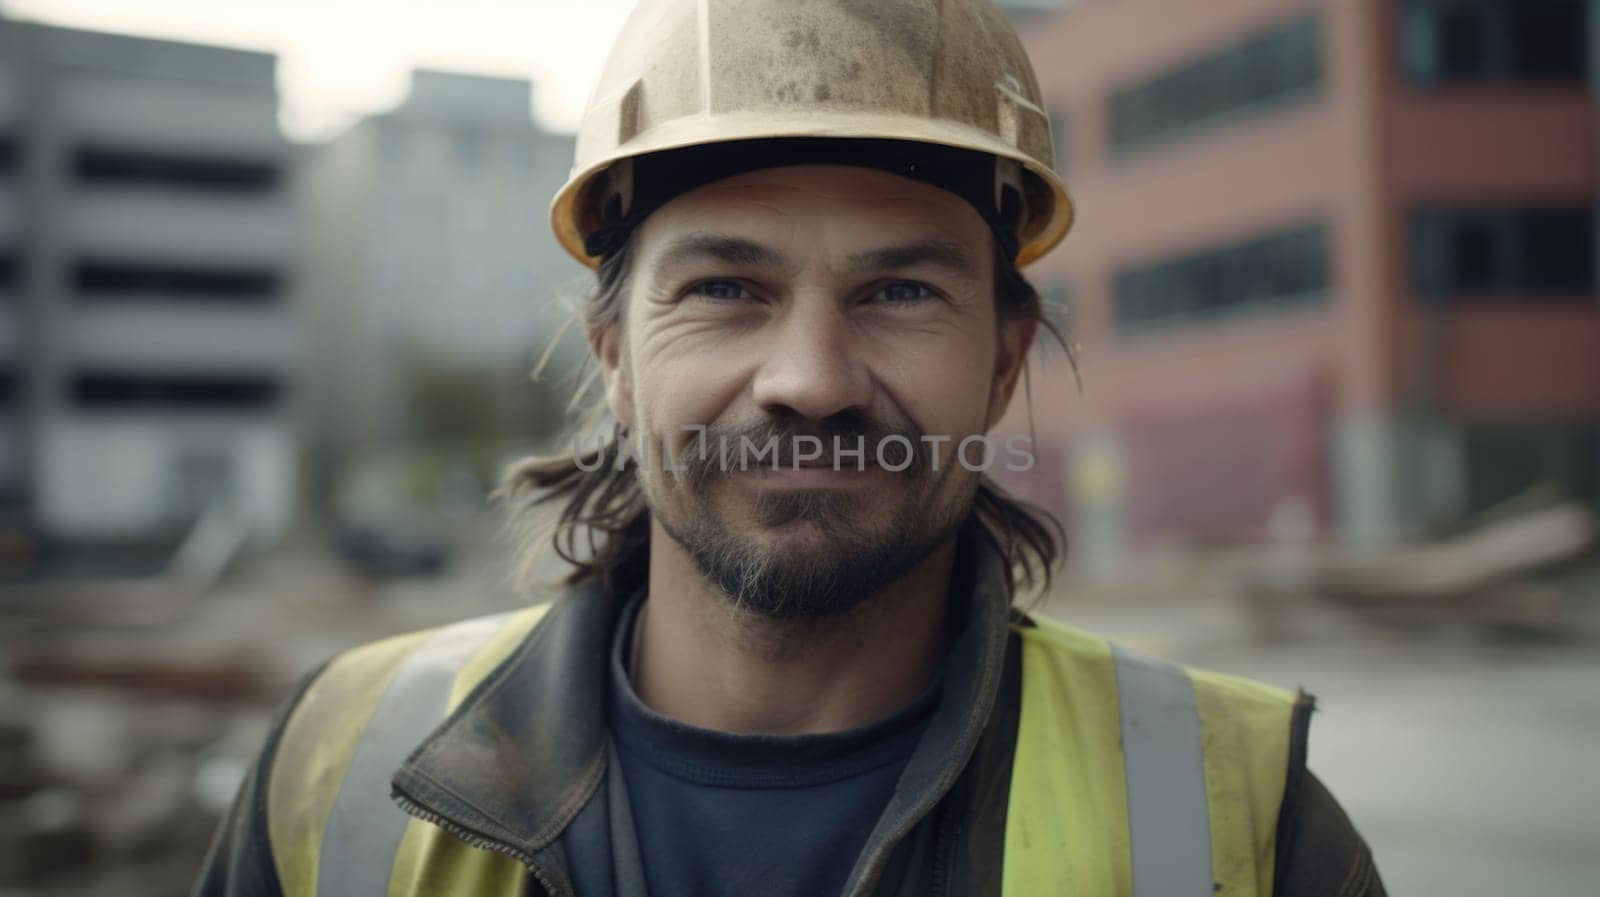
454, 401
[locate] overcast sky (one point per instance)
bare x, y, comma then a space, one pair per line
339, 59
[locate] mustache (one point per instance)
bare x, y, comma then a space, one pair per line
725, 449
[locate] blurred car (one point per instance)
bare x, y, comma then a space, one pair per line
393, 548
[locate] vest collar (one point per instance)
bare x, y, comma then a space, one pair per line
511, 767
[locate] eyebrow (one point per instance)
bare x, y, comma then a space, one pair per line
722, 248
930, 252
748, 253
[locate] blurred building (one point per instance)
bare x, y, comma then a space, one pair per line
1022, 11
147, 242
433, 277
1334, 271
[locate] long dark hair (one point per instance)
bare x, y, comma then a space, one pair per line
603, 525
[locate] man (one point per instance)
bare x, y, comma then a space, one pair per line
787, 662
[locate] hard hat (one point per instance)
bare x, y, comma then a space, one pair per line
697, 73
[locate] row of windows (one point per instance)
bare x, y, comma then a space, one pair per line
120, 281
125, 392
1283, 270
120, 167
1446, 41
1472, 254
110, 281
1441, 41
145, 392
117, 282
1275, 66
1476, 253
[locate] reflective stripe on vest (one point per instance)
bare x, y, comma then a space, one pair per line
1132, 776
365, 827
1169, 825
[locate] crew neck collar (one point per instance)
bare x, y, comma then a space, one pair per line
754, 760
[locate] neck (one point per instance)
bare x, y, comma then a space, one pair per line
703, 662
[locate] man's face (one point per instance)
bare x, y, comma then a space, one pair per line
786, 307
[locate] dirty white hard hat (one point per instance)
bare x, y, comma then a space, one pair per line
930, 75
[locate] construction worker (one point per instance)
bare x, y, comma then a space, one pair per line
804, 674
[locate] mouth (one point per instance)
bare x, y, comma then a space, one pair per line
840, 466
812, 475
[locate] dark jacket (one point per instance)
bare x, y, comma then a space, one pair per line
942, 834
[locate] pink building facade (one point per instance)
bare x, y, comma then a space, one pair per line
1333, 273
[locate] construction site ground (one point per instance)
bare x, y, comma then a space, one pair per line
1465, 755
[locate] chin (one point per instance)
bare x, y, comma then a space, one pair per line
801, 539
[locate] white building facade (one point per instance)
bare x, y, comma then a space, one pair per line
148, 248
430, 248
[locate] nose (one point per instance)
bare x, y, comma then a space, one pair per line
812, 366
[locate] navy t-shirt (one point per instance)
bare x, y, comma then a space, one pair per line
722, 815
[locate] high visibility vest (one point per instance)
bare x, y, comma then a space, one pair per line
1131, 776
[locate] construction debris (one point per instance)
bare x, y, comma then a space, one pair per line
209, 682
1483, 575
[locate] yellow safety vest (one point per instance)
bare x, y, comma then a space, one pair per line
1131, 776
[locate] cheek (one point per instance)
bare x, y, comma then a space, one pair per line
943, 384
676, 385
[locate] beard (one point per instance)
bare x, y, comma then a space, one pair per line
839, 550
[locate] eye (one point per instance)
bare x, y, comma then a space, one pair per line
905, 292
722, 290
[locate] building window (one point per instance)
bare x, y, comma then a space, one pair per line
116, 281
1263, 72
1464, 41
154, 392
10, 154
10, 387
1538, 252
1278, 272
10, 274
119, 167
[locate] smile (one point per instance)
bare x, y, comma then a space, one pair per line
813, 475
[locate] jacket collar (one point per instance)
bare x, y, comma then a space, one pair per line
511, 767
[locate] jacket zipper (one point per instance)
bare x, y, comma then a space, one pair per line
481, 841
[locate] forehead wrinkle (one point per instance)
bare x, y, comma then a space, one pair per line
942, 253
741, 251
